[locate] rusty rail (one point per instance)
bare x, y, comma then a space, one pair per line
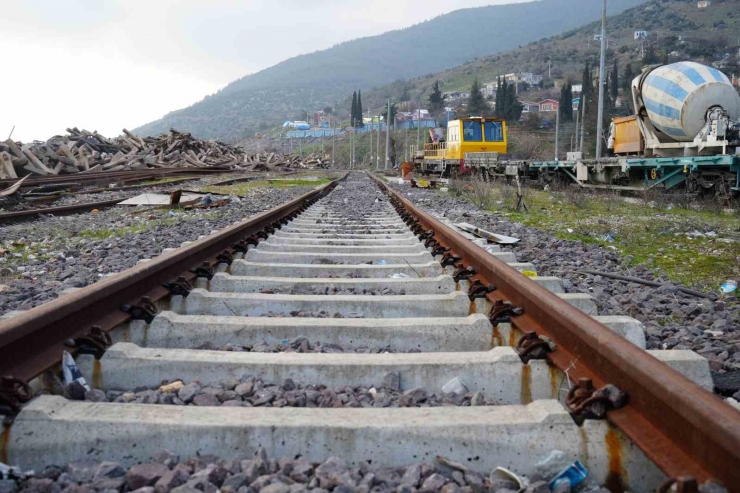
681, 427
86, 178
33, 341
18, 216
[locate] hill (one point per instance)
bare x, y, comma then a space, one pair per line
677, 30
324, 78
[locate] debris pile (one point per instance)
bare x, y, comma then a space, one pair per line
82, 151
263, 161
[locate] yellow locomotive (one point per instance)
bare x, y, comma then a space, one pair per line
470, 145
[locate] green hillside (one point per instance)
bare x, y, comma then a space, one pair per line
707, 36
324, 78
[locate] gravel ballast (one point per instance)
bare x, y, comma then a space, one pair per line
122, 192
672, 319
39, 259
250, 391
166, 472
303, 345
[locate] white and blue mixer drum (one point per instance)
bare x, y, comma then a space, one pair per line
678, 96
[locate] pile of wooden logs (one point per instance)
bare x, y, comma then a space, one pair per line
82, 151
265, 161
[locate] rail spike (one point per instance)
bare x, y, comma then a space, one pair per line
95, 342
14, 392
479, 290
502, 311
145, 309
585, 402
531, 346
179, 287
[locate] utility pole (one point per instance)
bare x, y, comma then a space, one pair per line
557, 133
371, 136
602, 79
583, 120
333, 135
388, 137
377, 147
575, 134
406, 143
418, 125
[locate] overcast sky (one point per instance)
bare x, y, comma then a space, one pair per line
108, 64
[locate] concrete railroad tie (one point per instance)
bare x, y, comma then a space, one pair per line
346, 272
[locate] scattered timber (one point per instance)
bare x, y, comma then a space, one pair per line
82, 151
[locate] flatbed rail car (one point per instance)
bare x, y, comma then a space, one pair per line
469, 145
685, 131
718, 174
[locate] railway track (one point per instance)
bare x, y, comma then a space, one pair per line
30, 214
328, 327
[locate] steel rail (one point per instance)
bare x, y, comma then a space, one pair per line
32, 342
18, 216
9, 217
682, 428
80, 179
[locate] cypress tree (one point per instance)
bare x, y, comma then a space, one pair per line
615, 80
497, 110
436, 101
561, 103
650, 56
353, 112
587, 83
513, 106
565, 105
358, 121
627, 78
477, 105
504, 99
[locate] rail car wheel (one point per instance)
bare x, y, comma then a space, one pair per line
485, 175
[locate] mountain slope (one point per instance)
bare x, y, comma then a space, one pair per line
324, 77
707, 36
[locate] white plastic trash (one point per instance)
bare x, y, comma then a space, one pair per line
71, 372
455, 385
728, 287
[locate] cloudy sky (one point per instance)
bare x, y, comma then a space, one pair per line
108, 64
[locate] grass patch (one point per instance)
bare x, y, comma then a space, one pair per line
246, 187
101, 234
162, 181
654, 233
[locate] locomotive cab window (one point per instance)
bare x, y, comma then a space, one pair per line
472, 131
494, 132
